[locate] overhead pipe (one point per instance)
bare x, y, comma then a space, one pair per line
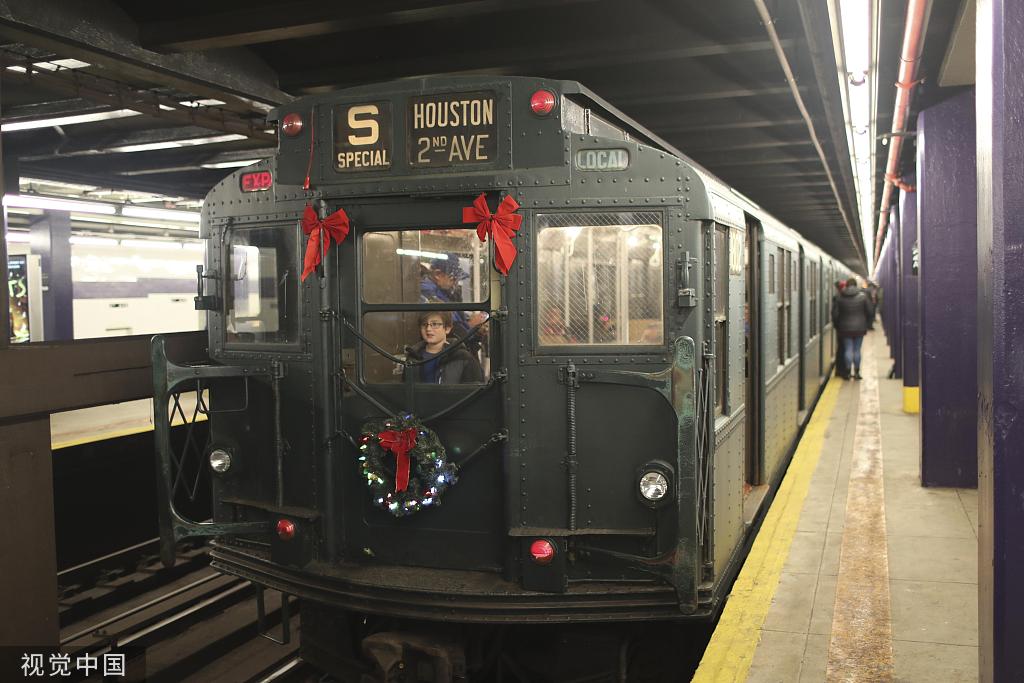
913, 32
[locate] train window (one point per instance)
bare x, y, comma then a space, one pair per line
405, 334
262, 293
721, 295
421, 266
790, 286
812, 306
771, 273
599, 279
781, 322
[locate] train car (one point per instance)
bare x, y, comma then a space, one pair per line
484, 351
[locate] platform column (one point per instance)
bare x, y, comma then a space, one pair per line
947, 237
910, 340
894, 297
1000, 130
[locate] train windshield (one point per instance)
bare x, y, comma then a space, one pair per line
599, 279
411, 272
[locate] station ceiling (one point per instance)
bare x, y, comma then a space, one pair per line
757, 103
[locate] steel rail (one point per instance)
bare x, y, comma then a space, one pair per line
138, 608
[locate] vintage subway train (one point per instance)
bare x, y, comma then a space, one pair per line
646, 342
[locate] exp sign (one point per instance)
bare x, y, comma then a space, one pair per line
602, 159
257, 181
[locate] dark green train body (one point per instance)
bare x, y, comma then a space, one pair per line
635, 337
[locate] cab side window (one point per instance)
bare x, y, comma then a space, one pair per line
261, 300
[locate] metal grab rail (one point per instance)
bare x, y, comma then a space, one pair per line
167, 377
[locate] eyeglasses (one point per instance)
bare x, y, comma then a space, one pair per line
432, 325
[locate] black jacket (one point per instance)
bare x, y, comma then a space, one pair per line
852, 312
457, 367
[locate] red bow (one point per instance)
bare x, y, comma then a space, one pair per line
335, 225
399, 443
501, 226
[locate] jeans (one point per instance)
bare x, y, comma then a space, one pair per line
851, 353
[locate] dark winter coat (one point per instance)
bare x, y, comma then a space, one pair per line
457, 367
852, 312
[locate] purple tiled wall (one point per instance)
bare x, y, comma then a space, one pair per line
947, 235
1000, 155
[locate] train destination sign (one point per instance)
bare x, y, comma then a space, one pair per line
452, 129
602, 159
362, 137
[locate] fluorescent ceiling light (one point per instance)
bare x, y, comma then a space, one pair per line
171, 144
53, 65
146, 244
201, 103
856, 23
54, 204
86, 240
230, 164
19, 237
161, 214
193, 246
68, 120
424, 254
115, 220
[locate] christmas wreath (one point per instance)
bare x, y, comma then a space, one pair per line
404, 464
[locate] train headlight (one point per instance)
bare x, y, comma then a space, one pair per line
220, 460
653, 485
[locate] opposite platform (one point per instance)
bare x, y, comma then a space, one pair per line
858, 573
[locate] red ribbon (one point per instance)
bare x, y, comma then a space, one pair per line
501, 226
399, 443
335, 225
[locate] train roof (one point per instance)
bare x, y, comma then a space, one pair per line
726, 204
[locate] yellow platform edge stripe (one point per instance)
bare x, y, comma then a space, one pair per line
912, 400
731, 650
114, 434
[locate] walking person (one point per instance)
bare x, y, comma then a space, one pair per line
851, 317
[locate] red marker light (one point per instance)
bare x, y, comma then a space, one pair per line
542, 102
542, 551
285, 529
291, 124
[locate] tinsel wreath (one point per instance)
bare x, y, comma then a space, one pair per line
405, 465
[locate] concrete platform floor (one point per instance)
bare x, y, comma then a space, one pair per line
926, 628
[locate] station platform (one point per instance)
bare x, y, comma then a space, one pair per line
859, 573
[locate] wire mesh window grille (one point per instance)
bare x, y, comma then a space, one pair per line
262, 297
599, 279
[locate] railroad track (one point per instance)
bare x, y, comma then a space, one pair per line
188, 623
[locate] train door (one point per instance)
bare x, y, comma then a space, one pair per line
752, 345
413, 280
820, 287
801, 274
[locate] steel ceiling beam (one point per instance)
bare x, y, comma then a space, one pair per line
502, 58
99, 32
113, 94
294, 20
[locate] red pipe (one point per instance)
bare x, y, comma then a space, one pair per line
912, 40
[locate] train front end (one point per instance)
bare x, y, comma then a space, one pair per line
459, 334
